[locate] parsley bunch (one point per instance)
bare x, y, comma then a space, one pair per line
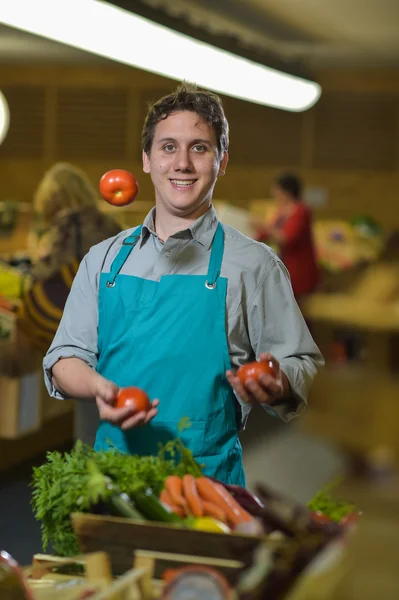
329, 505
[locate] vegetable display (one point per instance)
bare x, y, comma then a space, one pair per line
170, 488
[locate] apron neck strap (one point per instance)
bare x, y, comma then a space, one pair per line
127, 246
215, 261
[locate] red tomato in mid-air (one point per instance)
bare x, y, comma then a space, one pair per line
135, 397
119, 187
254, 370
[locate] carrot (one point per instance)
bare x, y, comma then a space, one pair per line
217, 494
178, 510
212, 510
166, 497
174, 486
167, 500
191, 495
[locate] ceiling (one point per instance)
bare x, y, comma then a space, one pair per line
317, 34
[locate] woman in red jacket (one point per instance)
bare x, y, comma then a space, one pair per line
291, 230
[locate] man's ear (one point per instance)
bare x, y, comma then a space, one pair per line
223, 164
146, 162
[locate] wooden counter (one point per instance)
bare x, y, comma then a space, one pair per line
354, 312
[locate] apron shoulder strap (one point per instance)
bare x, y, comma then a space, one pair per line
216, 259
127, 246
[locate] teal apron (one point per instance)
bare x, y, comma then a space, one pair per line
169, 338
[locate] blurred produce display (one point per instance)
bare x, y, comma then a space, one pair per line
4, 331
8, 217
343, 245
10, 280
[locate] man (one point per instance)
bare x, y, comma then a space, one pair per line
177, 305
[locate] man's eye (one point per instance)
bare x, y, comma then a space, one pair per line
199, 148
169, 148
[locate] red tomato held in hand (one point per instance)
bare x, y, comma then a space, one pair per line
135, 397
255, 369
119, 187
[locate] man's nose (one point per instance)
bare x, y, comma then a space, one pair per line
183, 160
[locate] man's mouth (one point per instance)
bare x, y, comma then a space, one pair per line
182, 183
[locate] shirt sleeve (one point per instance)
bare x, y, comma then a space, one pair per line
77, 332
276, 325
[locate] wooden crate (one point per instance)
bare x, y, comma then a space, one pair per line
140, 581
121, 538
231, 554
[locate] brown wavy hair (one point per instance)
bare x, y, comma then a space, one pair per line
63, 187
190, 98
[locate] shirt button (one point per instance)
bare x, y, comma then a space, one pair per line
167, 254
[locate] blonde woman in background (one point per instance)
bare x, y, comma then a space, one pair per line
68, 205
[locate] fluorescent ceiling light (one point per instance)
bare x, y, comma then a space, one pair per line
4, 117
109, 31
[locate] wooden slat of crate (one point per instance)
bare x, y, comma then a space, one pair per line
140, 580
121, 538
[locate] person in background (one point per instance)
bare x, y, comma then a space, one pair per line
291, 231
67, 205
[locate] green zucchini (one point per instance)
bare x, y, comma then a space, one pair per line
122, 506
151, 507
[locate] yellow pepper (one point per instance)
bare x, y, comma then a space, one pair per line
10, 281
210, 524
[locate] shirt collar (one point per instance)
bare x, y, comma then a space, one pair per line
148, 226
202, 230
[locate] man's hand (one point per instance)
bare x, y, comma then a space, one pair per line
267, 389
126, 418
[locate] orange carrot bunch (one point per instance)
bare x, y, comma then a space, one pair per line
202, 497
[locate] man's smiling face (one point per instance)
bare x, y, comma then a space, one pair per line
184, 163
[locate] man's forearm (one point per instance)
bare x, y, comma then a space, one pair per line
74, 378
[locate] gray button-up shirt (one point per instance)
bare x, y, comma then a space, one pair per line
261, 312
